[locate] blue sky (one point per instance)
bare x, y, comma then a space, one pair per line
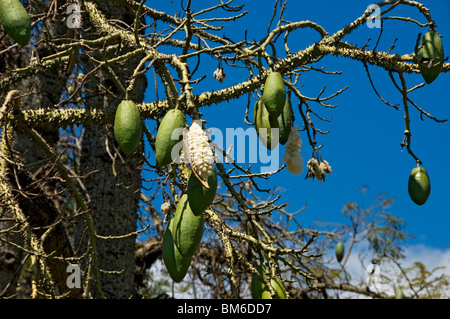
363, 146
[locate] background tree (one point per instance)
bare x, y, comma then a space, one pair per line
69, 195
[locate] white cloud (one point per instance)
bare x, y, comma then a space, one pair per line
388, 275
431, 257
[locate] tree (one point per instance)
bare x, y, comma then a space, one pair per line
70, 195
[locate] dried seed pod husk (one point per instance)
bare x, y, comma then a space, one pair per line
219, 74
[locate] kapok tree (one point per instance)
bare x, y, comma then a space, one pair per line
72, 166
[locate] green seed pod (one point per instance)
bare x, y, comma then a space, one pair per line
399, 294
419, 185
260, 291
187, 228
127, 126
340, 251
263, 124
284, 122
256, 287
176, 264
278, 286
431, 48
174, 119
16, 21
274, 94
200, 197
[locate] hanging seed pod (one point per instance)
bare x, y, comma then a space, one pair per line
264, 124
199, 196
399, 294
259, 290
339, 251
127, 126
419, 185
284, 122
16, 21
274, 94
172, 120
176, 264
187, 228
432, 56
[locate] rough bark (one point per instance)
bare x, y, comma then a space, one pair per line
42, 90
42, 217
114, 189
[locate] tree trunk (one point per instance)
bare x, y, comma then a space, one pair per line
46, 90
114, 189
